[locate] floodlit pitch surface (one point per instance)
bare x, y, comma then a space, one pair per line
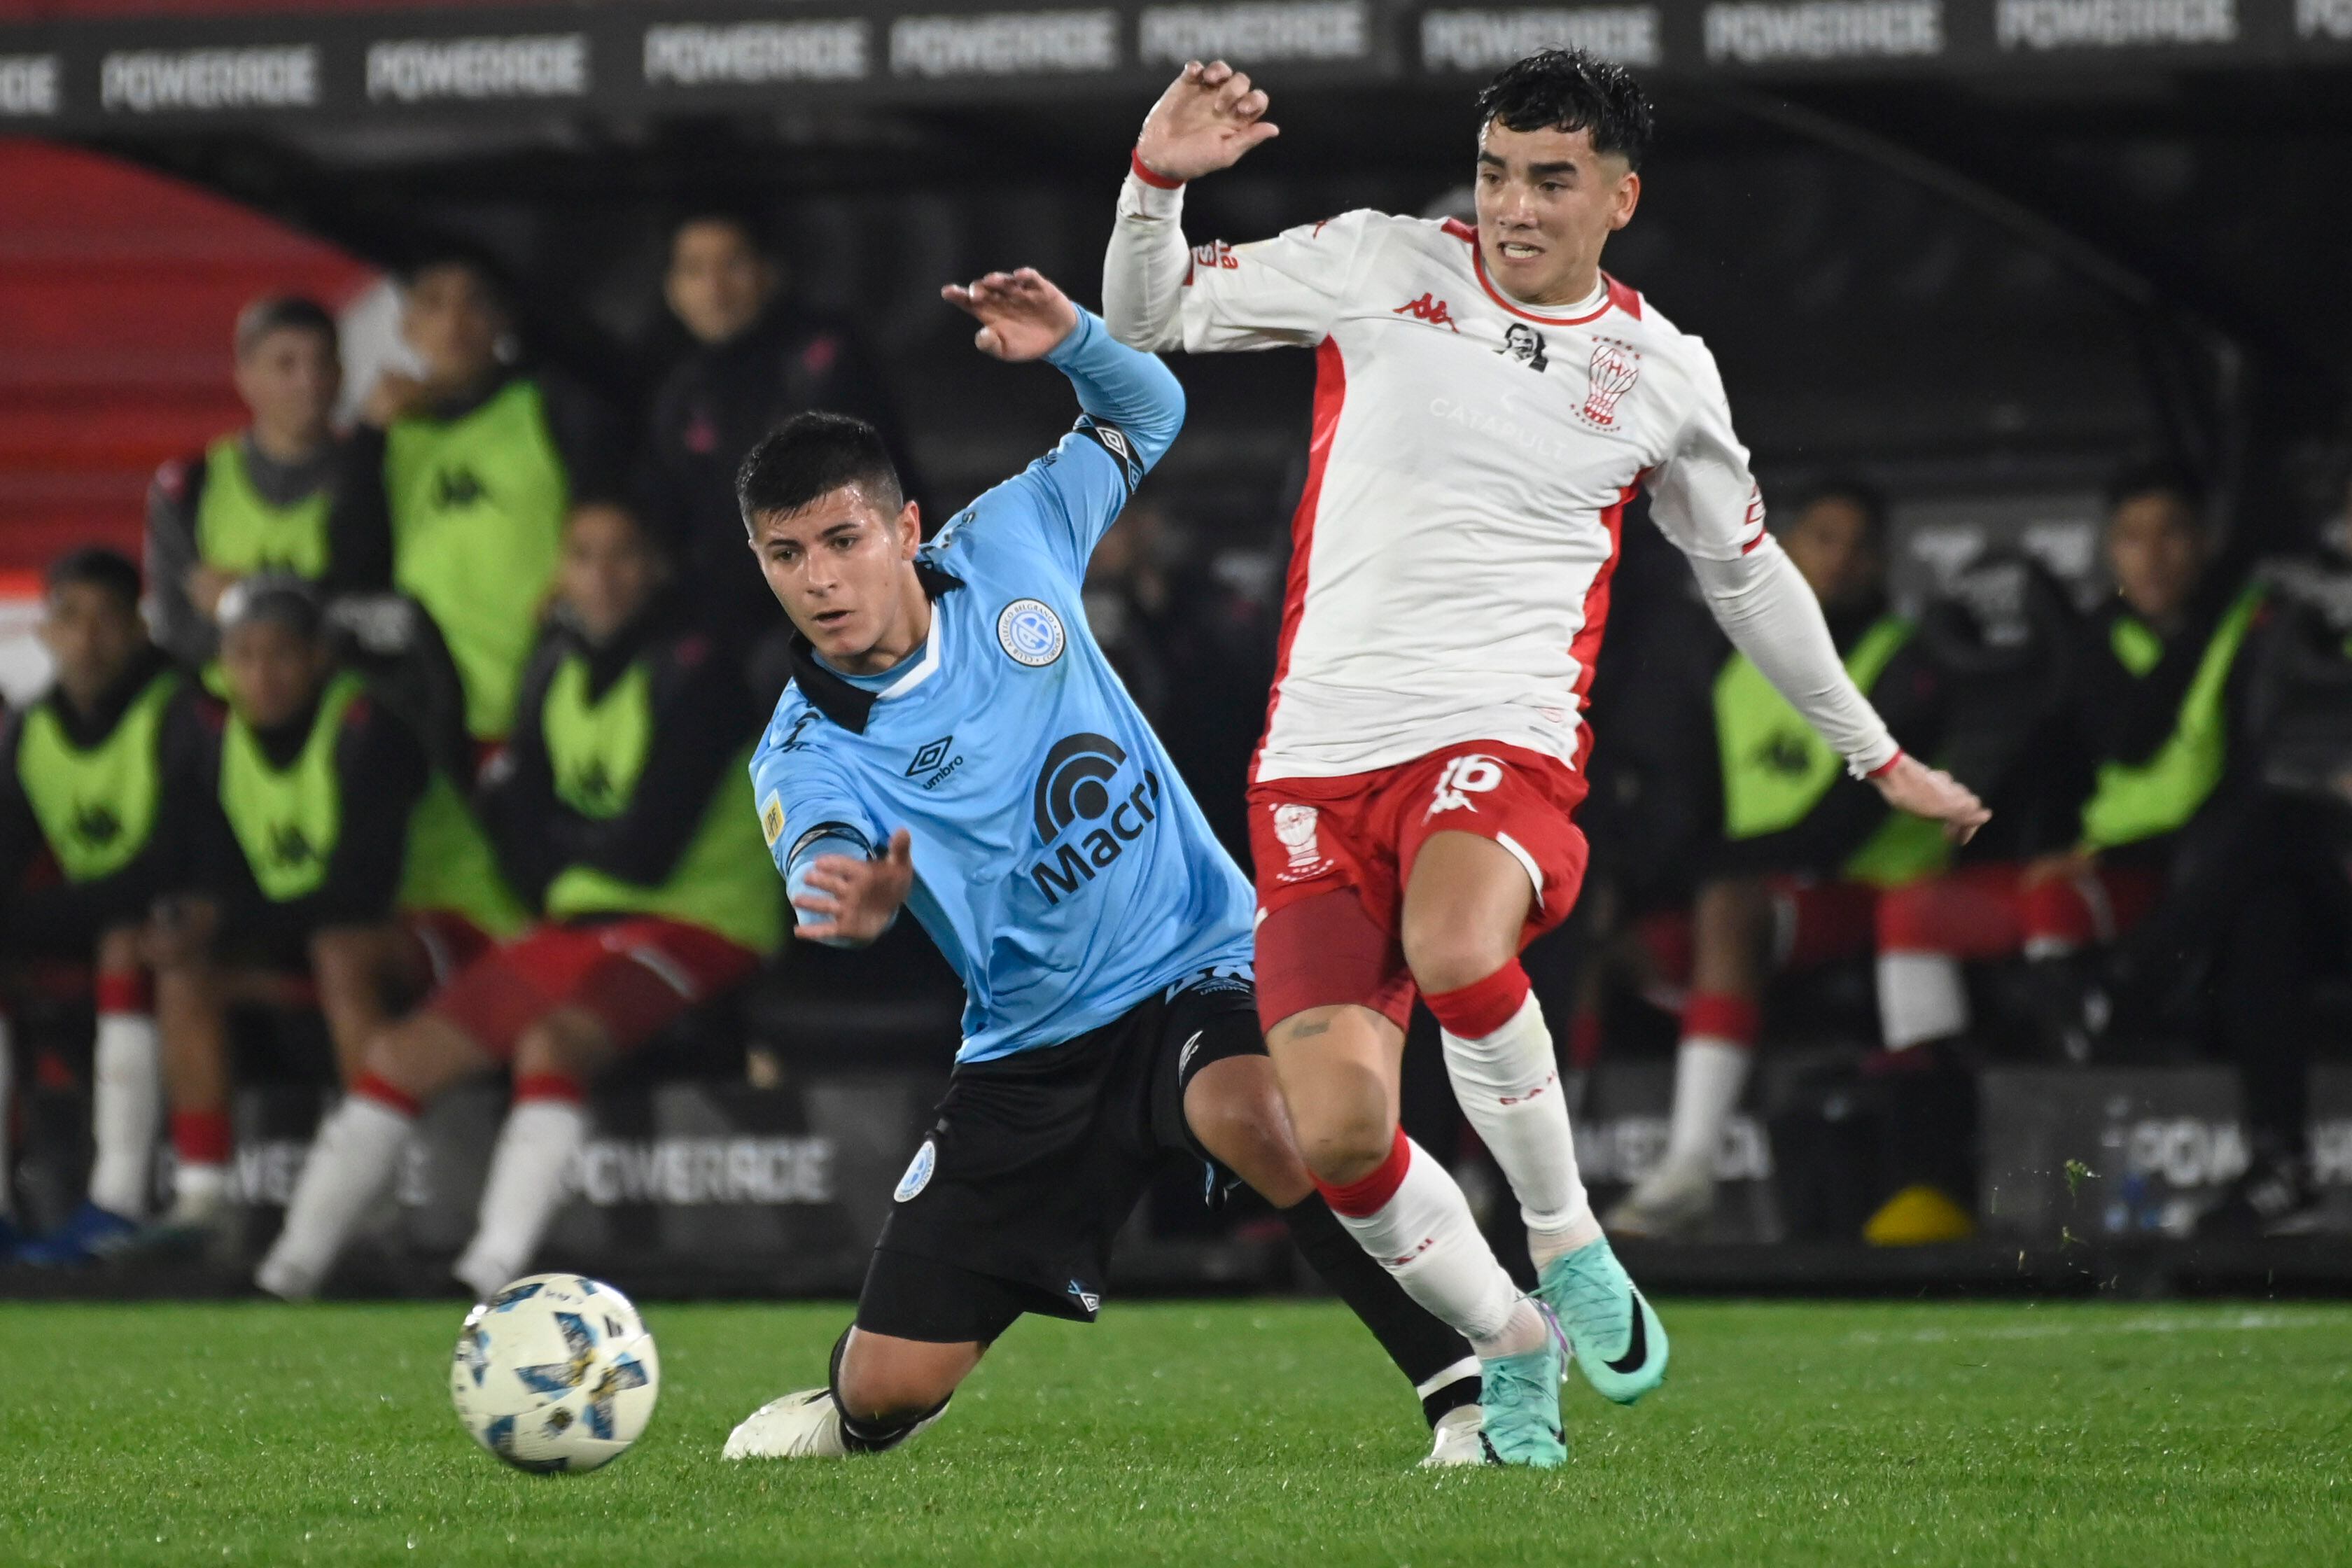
2073, 1434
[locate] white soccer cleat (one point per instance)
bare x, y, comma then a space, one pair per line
803, 1426
1666, 1205
287, 1279
1458, 1439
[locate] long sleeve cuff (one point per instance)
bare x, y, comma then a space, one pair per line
1139, 197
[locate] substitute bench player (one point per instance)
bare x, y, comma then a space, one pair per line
1487, 402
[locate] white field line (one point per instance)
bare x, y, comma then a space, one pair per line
2236, 1323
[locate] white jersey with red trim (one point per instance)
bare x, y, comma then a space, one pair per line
1470, 464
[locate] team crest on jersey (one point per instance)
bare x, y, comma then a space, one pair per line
1615, 366
919, 1173
1031, 632
772, 818
1293, 826
1525, 344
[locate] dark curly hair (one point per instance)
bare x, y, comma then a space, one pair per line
1568, 89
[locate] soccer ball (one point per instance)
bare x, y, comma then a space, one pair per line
555, 1373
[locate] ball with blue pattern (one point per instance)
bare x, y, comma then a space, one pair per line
555, 1373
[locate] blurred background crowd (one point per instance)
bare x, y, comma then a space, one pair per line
448, 635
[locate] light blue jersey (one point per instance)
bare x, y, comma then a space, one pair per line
1060, 863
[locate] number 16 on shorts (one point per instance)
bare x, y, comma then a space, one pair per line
1465, 775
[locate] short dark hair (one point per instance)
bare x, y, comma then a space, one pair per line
1568, 89
282, 313
740, 219
1863, 496
98, 567
485, 269
811, 454
2157, 476
278, 596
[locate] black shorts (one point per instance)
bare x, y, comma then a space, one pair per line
1035, 1161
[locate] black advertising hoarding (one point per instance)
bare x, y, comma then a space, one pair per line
118, 76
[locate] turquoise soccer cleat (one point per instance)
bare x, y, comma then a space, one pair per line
1615, 1336
1520, 1395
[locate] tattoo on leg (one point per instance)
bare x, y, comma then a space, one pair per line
1309, 1031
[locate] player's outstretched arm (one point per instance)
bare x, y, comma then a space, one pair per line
1208, 118
847, 900
1024, 316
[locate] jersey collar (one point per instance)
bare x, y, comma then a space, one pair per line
849, 705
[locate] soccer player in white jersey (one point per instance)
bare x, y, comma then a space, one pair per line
1487, 402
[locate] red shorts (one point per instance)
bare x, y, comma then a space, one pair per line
636, 976
1334, 854
1988, 911
445, 943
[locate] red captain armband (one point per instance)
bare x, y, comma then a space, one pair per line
1149, 175
1880, 771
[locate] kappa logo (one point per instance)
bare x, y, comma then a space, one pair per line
1079, 783
1428, 308
1525, 344
1031, 633
454, 487
1464, 777
96, 824
1615, 367
1294, 828
289, 846
1785, 752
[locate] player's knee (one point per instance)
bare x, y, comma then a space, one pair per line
1342, 1147
886, 1390
414, 1059
1237, 1113
1446, 956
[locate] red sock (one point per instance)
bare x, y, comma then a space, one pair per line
1368, 1196
1483, 1007
1719, 1016
386, 1093
201, 1137
550, 1085
123, 993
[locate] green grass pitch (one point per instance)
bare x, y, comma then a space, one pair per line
2075, 1434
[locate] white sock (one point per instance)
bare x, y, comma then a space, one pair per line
126, 1111
1920, 998
1425, 1237
1509, 1086
351, 1161
198, 1190
1709, 1074
7, 1082
526, 1182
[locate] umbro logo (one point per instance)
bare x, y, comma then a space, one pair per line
931, 755
933, 759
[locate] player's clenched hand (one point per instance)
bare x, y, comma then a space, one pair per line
853, 901
1912, 785
1021, 315
1206, 119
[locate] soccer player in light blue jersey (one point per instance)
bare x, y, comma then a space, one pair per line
954, 743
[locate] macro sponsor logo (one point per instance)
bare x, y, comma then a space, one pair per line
28, 85
1755, 34
1487, 40
1004, 43
752, 54
151, 81
420, 71
2113, 23
2329, 19
1258, 33
1082, 783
